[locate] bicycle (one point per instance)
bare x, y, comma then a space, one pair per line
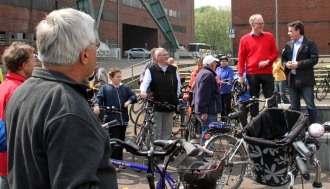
169, 147
323, 88
136, 108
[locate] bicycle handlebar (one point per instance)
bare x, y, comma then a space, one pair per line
157, 103
254, 100
170, 145
109, 124
112, 109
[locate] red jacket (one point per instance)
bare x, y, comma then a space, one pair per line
7, 88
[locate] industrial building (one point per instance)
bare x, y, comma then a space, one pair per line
124, 24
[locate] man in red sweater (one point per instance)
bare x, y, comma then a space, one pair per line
258, 51
18, 59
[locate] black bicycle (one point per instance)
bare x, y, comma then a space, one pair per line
323, 88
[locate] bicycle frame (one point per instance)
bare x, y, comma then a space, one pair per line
173, 183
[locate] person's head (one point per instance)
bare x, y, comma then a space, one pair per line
18, 58
65, 38
152, 54
257, 23
223, 61
37, 62
296, 30
162, 56
171, 60
199, 63
209, 61
115, 75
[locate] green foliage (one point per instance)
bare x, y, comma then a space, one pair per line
211, 27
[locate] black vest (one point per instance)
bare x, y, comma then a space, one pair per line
164, 85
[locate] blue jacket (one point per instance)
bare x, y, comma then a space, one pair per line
3, 144
246, 96
112, 96
207, 98
225, 73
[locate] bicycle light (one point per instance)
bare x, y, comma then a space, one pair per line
316, 130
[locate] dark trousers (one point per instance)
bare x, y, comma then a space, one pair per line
119, 133
225, 102
267, 83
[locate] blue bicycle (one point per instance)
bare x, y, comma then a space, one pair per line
169, 148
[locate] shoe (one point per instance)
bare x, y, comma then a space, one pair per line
122, 167
118, 169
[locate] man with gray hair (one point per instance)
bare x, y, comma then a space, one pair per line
54, 139
207, 98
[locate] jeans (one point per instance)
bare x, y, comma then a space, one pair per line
267, 83
205, 125
4, 182
308, 95
118, 132
280, 87
243, 115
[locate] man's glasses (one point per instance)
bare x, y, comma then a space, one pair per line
260, 24
163, 55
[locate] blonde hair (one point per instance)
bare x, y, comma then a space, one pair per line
171, 59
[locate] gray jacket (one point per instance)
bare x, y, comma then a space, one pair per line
54, 140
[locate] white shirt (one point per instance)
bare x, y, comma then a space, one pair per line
296, 46
147, 80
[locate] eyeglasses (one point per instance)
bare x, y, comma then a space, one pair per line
260, 24
97, 43
163, 55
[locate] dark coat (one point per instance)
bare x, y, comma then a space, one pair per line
207, 98
307, 57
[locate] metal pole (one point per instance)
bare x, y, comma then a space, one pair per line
276, 18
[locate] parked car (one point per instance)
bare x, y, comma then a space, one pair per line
137, 52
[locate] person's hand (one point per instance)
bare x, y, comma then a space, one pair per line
143, 95
126, 104
241, 80
262, 64
204, 117
185, 96
96, 110
292, 65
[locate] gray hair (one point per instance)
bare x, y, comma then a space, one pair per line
158, 50
253, 18
62, 35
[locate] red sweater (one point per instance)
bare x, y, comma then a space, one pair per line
254, 49
7, 88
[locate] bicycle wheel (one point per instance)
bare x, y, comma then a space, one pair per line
140, 119
322, 90
144, 141
136, 108
233, 173
194, 130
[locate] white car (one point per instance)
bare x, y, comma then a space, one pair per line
137, 52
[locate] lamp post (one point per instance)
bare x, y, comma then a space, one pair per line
276, 24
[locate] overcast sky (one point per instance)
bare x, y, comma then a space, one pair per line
215, 3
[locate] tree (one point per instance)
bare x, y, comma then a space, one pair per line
211, 27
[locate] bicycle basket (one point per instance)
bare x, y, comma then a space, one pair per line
202, 174
269, 137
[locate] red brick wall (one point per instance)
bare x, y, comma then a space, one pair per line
315, 14
23, 20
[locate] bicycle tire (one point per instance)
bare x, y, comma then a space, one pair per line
140, 119
136, 108
234, 173
144, 141
322, 90
193, 131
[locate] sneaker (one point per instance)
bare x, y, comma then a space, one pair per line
122, 167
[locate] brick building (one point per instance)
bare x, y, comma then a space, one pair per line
124, 23
314, 14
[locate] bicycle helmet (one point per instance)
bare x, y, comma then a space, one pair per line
238, 88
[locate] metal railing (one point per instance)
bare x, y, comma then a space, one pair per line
135, 71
